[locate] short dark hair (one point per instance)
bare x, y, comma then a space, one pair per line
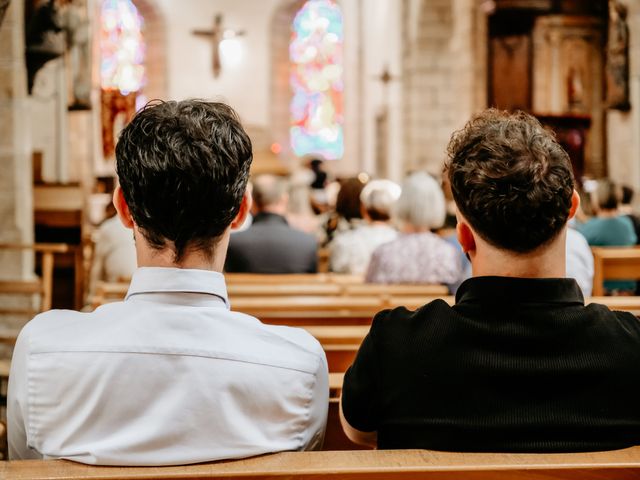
348, 199
510, 179
607, 195
183, 169
627, 195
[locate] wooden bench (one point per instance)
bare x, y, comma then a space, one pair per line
290, 278
614, 263
43, 286
358, 465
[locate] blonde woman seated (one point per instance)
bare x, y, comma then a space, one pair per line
418, 255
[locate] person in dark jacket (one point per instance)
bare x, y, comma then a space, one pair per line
270, 245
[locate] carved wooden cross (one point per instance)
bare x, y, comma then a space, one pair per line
217, 34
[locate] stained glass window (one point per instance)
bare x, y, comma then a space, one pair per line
122, 47
315, 55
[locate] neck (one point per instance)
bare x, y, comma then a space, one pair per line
148, 256
275, 209
408, 228
545, 262
602, 213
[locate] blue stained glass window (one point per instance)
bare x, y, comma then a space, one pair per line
316, 79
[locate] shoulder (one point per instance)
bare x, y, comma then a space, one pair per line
301, 236
400, 319
603, 315
290, 344
51, 327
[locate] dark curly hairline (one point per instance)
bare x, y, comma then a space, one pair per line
535, 143
203, 244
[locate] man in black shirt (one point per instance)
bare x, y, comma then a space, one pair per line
519, 363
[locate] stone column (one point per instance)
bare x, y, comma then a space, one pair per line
16, 211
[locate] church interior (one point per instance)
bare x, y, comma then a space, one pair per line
373, 89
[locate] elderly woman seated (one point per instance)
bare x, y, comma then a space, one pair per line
350, 251
418, 255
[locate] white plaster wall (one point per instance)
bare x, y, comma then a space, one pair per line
189, 57
246, 86
382, 42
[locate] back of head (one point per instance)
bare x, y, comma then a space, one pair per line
268, 190
378, 198
183, 169
606, 195
510, 179
348, 199
421, 203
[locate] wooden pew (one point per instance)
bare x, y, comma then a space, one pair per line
338, 334
614, 263
42, 286
340, 357
358, 465
309, 310
58, 210
320, 297
290, 278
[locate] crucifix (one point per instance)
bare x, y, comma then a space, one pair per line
217, 35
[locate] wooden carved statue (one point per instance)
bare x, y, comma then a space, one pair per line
617, 69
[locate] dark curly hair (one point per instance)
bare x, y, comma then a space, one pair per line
510, 179
183, 168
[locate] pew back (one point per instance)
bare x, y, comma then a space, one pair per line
614, 263
352, 465
43, 286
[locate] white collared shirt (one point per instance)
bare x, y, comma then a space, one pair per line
168, 376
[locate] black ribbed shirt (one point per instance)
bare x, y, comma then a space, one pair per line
516, 365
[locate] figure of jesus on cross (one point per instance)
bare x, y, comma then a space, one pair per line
217, 35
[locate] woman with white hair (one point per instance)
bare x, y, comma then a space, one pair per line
418, 255
350, 251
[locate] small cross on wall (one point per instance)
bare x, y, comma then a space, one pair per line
217, 35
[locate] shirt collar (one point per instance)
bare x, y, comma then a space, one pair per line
511, 290
178, 280
268, 217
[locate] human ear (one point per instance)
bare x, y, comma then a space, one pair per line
122, 208
575, 204
245, 207
465, 237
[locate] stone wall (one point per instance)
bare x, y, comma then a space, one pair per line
623, 128
16, 217
440, 76
15, 143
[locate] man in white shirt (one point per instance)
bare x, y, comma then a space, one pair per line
170, 375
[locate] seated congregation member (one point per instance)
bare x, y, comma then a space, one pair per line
114, 253
169, 375
417, 255
348, 212
519, 363
609, 229
350, 251
626, 209
270, 245
579, 260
